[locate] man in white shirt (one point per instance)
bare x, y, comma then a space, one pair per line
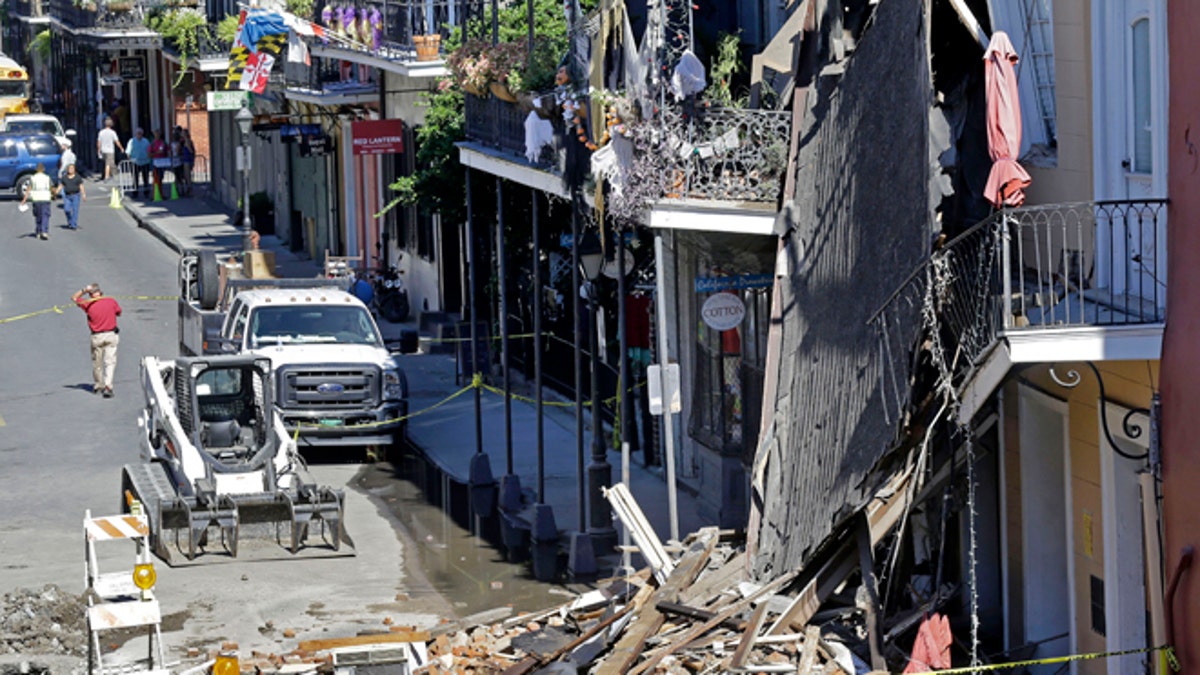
67, 159
107, 145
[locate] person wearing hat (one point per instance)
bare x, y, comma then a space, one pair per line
67, 158
102, 312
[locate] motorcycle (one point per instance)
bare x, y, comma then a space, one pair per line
391, 298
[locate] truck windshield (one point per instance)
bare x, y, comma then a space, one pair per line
313, 324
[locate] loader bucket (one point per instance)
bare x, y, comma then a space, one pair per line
207, 528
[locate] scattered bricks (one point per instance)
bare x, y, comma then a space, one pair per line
193, 652
459, 639
532, 627
229, 646
387, 620
555, 621
497, 631
289, 633
402, 597
776, 657
440, 646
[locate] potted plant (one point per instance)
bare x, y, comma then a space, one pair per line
427, 46
470, 68
262, 213
505, 59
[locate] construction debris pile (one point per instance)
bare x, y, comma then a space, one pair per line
700, 614
46, 621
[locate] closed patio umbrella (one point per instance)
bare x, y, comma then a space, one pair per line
1007, 179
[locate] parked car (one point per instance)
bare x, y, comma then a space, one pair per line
21, 153
36, 123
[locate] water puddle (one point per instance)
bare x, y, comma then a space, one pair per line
468, 570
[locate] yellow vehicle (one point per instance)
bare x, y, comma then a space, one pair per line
14, 87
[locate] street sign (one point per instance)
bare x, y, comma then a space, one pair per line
132, 68
663, 386
228, 100
314, 146
111, 80
740, 282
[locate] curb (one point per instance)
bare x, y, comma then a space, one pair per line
151, 227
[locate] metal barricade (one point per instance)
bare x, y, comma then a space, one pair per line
125, 177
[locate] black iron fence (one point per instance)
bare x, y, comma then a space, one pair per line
495, 123
1034, 268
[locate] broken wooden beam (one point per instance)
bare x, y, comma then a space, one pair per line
678, 609
356, 640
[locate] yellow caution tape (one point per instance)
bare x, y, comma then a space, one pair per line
58, 309
1167, 650
387, 422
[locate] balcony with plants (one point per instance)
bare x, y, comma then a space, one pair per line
392, 30
103, 14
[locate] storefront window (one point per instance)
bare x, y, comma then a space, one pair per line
731, 339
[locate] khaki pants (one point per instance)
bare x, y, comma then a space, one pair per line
104, 359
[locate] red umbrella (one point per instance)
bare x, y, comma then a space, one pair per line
1007, 180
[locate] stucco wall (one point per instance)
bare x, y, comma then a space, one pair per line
1181, 359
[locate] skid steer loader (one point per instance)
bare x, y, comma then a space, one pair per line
217, 457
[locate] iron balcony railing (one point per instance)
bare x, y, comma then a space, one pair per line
102, 14
29, 8
399, 22
1034, 268
209, 46
499, 124
730, 154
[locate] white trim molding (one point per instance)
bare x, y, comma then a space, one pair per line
400, 63
315, 97
510, 167
1142, 342
705, 215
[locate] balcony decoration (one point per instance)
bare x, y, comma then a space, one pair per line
470, 68
119, 6
301, 8
86, 5
41, 45
179, 28
506, 59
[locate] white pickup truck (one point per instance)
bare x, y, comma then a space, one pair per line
335, 379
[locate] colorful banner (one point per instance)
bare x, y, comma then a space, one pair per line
260, 38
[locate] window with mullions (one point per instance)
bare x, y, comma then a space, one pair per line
728, 376
414, 230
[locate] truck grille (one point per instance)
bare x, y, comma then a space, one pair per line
307, 388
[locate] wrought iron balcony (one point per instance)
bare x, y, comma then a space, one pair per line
102, 14
499, 124
209, 46
729, 154
1027, 269
30, 8
402, 24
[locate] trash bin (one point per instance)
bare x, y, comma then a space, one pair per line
409, 340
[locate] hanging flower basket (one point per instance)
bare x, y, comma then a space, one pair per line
501, 91
473, 90
428, 47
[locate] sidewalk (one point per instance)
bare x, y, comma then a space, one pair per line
446, 435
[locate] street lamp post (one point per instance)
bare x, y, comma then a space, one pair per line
604, 537
245, 119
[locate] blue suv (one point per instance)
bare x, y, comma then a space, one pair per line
19, 156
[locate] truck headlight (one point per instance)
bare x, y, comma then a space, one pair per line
394, 385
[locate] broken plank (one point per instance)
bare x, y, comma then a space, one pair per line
690, 612
627, 510
725, 576
808, 653
356, 640
748, 636
720, 617
816, 591
649, 620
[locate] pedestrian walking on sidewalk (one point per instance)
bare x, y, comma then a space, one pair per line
67, 159
139, 154
39, 192
107, 145
73, 193
102, 312
189, 161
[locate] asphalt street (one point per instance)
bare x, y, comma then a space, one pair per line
62, 448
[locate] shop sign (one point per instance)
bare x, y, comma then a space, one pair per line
228, 100
377, 137
740, 282
293, 130
132, 68
723, 311
314, 146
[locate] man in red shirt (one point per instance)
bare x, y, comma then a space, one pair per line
102, 312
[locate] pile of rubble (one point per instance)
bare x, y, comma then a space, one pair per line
46, 621
699, 614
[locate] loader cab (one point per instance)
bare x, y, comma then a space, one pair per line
232, 404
